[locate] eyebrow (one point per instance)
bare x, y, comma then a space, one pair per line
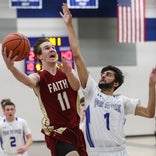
46, 46
108, 72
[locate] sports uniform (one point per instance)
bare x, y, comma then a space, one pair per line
12, 134
58, 103
105, 119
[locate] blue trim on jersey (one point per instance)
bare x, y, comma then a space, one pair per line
87, 127
1, 143
4, 120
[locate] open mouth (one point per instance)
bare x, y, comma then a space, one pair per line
53, 56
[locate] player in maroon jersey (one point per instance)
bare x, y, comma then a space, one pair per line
57, 87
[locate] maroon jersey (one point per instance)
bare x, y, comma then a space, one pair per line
59, 105
58, 99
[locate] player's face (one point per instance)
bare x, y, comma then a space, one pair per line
107, 80
82, 107
49, 53
82, 110
9, 112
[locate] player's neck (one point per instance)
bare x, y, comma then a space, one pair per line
10, 119
108, 91
51, 69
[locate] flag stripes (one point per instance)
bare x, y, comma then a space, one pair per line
131, 21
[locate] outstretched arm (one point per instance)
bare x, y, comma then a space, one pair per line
74, 44
149, 111
30, 81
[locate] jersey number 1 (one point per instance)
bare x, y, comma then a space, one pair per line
106, 116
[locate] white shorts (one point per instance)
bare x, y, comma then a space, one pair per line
119, 151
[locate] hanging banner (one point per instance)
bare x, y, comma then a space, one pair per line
26, 4
82, 4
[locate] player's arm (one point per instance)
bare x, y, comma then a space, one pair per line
149, 111
71, 75
24, 148
30, 81
74, 44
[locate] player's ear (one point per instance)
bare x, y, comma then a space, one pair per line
116, 84
39, 57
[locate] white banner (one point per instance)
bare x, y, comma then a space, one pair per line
26, 4
83, 4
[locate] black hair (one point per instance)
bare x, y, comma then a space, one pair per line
82, 99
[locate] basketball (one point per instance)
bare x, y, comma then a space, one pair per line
18, 44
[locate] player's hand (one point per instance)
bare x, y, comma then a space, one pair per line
65, 14
65, 66
153, 76
21, 150
7, 59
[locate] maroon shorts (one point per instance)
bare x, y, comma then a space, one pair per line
72, 136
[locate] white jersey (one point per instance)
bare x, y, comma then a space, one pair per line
13, 135
105, 119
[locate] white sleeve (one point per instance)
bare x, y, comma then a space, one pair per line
130, 105
90, 90
26, 128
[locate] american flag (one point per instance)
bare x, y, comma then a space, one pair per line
131, 21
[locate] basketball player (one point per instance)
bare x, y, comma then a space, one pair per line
105, 112
14, 131
56, 87
82, 113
